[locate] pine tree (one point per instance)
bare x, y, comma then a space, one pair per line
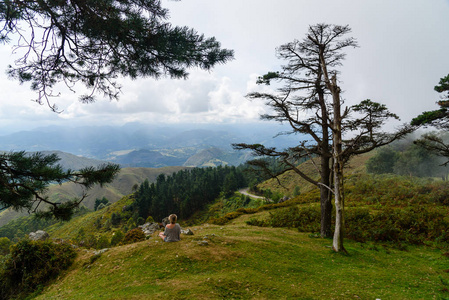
24, 180
93, 42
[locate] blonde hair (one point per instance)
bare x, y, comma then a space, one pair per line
172, 218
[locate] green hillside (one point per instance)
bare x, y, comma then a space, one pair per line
397, 243
245, 262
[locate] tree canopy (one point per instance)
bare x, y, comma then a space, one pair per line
439, 119
94, 41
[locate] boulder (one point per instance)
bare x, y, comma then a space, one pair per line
149, 228
165, 221
187, 231
39, 235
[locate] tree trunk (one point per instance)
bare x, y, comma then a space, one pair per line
325, 199
337, 244
338, 168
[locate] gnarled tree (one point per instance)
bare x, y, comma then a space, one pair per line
310, 102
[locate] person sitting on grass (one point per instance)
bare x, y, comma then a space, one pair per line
172, 231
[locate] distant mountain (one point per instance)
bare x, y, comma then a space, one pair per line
213, 157
142, 145
148, 159
74, 162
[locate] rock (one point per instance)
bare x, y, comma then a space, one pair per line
98, 252
39, 235
203, 243
285, 198
165, 221
187, 231
149, 228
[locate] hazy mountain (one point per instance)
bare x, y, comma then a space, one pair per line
74, 162
213, 157
140, 145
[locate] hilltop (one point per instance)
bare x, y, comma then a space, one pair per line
245, 262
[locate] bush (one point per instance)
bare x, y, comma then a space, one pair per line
226, 218
117, 237
32, 264
5, 243
133, 236
149, 220
102, 242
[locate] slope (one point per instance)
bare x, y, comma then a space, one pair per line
238, 261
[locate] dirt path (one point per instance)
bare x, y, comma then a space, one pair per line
245, 192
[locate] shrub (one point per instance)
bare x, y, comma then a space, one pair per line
32, 264
131, 223
134, 235
5, 243
102, 242
149, 220
226, 218
116, 218
117, 237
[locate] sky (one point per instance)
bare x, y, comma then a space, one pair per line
402, 55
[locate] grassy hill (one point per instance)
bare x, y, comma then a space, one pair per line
245, 262
398, 248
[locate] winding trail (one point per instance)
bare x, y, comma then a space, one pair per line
246, 193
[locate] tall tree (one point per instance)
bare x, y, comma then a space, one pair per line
95, 41
302, 103
310, 102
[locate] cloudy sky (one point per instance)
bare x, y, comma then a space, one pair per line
402, 55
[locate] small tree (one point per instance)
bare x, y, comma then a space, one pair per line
103, 201
383, 162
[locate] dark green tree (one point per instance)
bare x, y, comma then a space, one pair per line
436, 118
24, 180
383, 162
94, 41
103, 201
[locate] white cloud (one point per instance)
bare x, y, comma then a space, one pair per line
402, 55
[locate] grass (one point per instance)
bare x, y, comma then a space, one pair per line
244, 262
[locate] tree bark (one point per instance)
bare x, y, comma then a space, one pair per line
337, 168
325, 199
